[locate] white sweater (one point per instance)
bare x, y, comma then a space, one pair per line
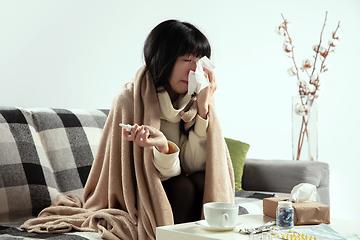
189, 152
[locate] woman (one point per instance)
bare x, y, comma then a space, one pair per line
137, 182
171, 50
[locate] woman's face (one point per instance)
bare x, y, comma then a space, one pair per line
179, 76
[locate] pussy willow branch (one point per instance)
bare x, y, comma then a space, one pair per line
328, 51
303, 131
326, 55
318, 48
292, 49
301, 138
304, 124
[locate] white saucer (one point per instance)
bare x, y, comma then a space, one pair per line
203, 224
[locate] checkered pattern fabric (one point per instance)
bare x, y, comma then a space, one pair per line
44, 152
12, 233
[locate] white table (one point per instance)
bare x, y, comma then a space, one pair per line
190, 231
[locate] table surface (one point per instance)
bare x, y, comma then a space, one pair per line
190, 231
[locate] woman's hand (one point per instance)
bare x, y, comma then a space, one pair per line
205, 95
140, 136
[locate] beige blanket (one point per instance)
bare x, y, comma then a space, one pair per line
123, 197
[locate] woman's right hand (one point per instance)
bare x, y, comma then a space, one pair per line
139, 136
204, 97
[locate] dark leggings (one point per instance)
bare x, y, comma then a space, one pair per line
185, 194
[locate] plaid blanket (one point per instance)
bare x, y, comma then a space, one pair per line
44, 152
12, 233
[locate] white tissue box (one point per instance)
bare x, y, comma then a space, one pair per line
304, 212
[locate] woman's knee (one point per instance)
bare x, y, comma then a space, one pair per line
198, 179
179, 186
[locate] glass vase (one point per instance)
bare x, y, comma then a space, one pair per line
304, 128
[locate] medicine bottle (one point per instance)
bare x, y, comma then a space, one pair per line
285, 215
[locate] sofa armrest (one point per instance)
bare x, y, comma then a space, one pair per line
282, 175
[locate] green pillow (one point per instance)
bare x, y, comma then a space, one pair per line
238, 151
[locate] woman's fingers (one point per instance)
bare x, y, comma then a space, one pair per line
133, 134
211, 77
126, 135
140, 135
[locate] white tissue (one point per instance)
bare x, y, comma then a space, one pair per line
304, 192
196, 80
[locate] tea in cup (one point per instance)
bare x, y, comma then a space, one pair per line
221, 215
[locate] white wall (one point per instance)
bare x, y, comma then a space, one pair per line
78, 54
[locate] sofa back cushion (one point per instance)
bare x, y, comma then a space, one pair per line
44, 152
238, 151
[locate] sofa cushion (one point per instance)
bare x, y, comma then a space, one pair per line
34, 144
238, 151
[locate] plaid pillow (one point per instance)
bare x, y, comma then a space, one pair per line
44, 152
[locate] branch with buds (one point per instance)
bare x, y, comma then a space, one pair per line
310, 88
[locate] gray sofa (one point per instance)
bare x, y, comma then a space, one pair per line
280, 176
45, 152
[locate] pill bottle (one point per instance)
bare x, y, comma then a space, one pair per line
285, 215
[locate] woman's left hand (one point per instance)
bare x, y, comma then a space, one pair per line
140, 135
205, 95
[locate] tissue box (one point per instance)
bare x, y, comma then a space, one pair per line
304, 212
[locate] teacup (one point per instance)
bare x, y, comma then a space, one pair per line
220, 215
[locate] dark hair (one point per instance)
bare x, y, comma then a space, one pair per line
166, 42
